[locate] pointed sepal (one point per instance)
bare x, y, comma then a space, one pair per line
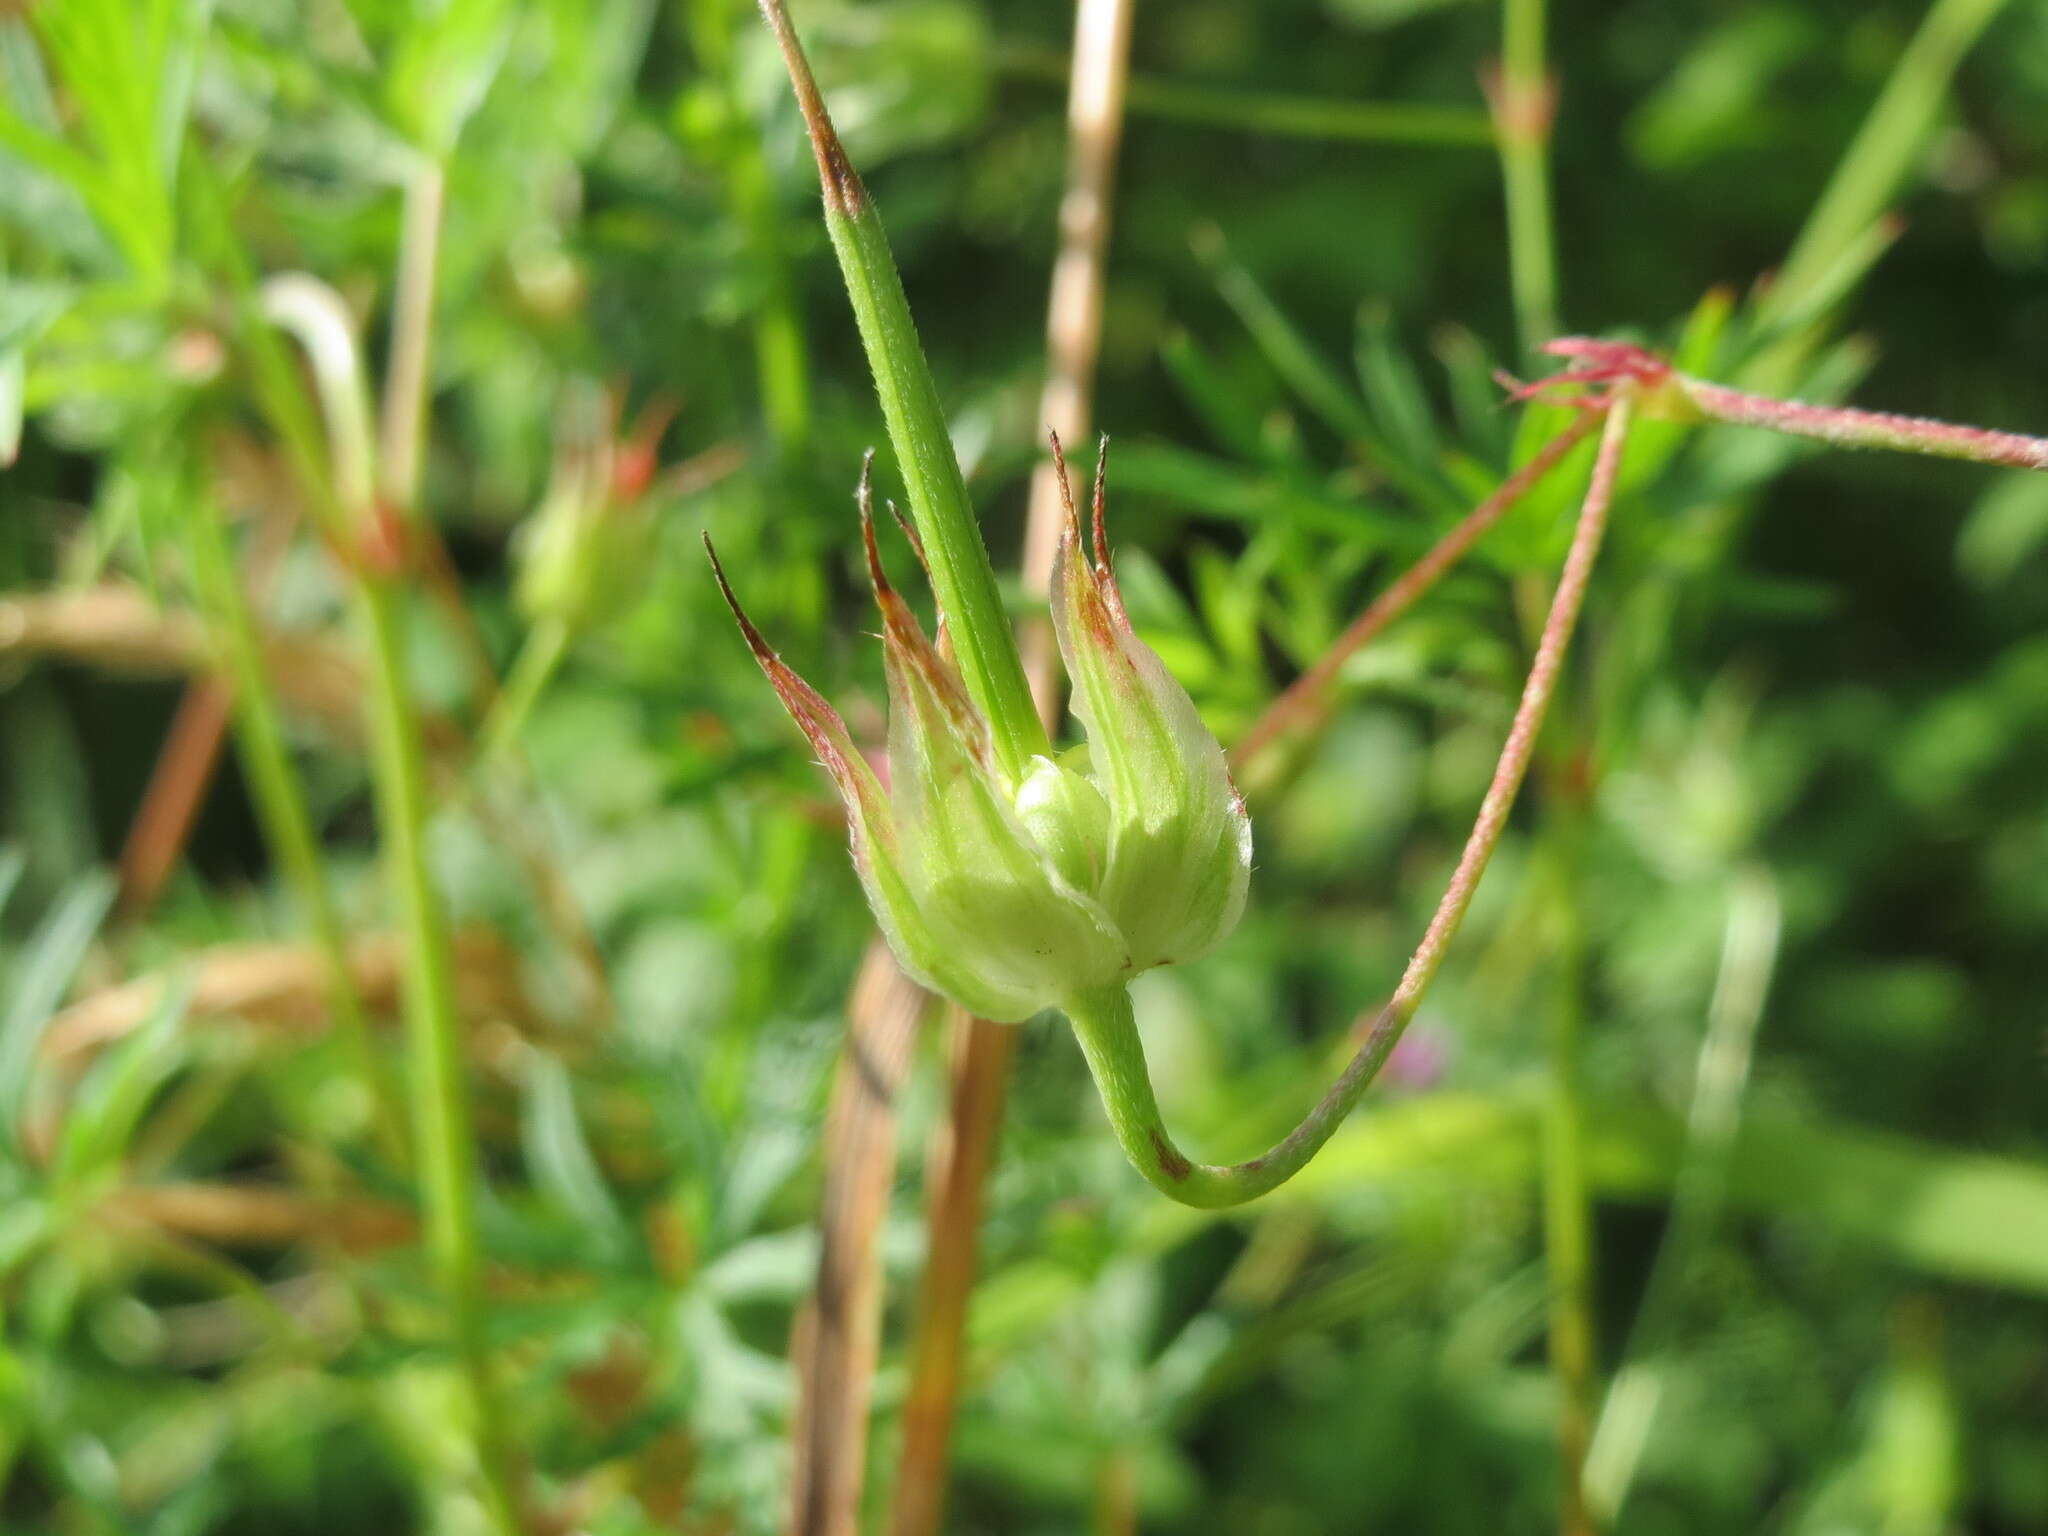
1010, 934
1179, 857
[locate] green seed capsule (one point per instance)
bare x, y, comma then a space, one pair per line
1015, 895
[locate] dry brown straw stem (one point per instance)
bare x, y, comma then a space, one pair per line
185, 764
280, 985
979, 1066
121, 630
839, 1328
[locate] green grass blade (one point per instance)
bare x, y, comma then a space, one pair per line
1884, 150
559, 1155
101, 1118
53, 957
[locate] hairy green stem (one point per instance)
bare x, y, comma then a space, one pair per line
280, 801
982, 1054
1524, 100
962, 577
1108, 1033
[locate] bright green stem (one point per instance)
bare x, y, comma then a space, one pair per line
281, 802
962, 578
437, 1078
1884, 149
545, 645
1524, 104
1109, 1035
341, 496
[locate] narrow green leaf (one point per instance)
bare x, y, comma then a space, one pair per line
1302, 368
1961, 1215
560, 1157
1393, 390
52, 958
101, 1118
1225, 408
1203, 484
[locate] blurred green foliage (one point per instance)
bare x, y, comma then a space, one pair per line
1820, 678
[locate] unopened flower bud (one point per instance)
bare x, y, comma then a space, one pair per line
1180, 845
585, 546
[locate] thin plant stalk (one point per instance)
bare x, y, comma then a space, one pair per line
177, 786
1103, 1022
1567, 1205
982, 1052
1846, 427
540, 654
979, 1079
280, 800
1305, 699
838, 1331
1274, 114
1672, 395
1524, 100
443, 1129
402, 425
404, 407
437, 1080
1749, 955
1116, 1494
1073, 322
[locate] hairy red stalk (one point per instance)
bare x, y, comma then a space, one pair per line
1611, 362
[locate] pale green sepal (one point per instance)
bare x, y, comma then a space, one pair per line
1009, 934
1179, 839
